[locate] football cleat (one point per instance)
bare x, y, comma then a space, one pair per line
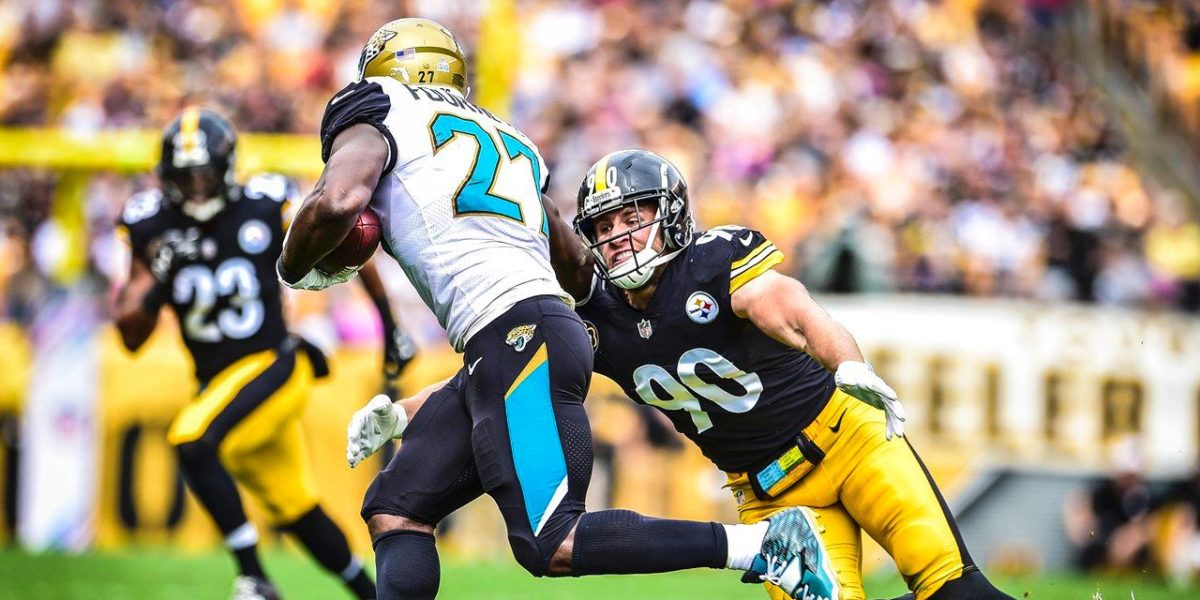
794, 559
249, 587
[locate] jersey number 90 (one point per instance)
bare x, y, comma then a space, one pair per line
476, 193
684, 391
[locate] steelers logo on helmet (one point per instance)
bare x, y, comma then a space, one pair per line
635, 178
701, 308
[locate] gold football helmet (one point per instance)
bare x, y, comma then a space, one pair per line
416, 52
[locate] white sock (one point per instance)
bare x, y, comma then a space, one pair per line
744, 541
242, 537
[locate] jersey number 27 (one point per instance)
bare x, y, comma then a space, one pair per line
476, 193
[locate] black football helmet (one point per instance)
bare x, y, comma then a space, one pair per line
196, 167
632, 178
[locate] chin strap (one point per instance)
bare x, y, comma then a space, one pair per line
204, 211
641, 275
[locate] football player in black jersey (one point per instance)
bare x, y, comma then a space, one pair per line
739, 357
206, 246
749, 367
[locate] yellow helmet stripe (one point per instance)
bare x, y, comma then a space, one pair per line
599, 176
189, 124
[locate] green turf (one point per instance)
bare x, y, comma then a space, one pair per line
149, 574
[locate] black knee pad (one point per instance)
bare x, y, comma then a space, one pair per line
535, 553
530, 556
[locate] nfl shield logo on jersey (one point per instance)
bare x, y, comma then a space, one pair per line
644, 329
519, 336
701, 308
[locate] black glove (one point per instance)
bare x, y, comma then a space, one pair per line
162, 261
398, 351
171, 248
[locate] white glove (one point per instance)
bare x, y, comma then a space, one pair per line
859, 380
316, 279
372, 426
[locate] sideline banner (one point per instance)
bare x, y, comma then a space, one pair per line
55, 506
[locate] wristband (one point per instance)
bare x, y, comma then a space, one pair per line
287, 275
155, 297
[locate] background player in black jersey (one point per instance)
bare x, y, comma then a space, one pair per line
207, 247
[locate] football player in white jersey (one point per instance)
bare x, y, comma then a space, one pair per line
459, 195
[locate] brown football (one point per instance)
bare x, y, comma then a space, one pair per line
358, 246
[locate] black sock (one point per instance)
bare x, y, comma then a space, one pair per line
406, 566
622, 541
326, 543
247, 559
215, 490
972, 584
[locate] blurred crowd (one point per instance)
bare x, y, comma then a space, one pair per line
1159, 43
929, 146
895, 145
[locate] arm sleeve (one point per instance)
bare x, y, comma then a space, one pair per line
360, 102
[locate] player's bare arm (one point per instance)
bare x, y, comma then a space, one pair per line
782, 308
571, 261
355, 165
137, 305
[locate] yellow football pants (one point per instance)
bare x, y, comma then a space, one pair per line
869, 483
252, 411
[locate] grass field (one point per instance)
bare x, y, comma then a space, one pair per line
150, 575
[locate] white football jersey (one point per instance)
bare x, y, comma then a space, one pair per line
460, 200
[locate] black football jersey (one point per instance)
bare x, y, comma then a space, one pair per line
223, 285
736, 392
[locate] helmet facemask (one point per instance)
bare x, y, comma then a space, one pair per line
635, 271
200, 193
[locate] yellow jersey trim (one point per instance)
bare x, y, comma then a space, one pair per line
768, 260
749, 257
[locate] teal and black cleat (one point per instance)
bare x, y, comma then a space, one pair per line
793, 557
